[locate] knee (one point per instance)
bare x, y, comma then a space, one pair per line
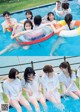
18, 109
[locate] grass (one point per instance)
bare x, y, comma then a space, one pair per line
24, 94
21, 4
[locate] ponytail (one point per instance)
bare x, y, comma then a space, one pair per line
68, 18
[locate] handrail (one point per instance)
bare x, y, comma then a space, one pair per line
33, 62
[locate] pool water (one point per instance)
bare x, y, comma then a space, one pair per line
70, 104
63, 46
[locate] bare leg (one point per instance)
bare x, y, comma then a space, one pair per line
35, 103
77, 93
15, 104
73, 95
43, 102
52, 99
25, 103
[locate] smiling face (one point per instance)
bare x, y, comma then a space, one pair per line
28, 26
29, 16
31, 77
7, 17
51, 17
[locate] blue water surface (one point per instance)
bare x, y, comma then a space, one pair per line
65, 46
70, 104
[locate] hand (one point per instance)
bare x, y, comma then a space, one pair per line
65, 92
9, 102
18, 99
30, 93
51, 92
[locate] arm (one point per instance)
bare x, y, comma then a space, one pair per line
70, 85
19, 34
28, 91
20, 93
56, 30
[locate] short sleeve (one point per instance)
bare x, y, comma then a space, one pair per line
23, 83
57, 82
20, 86
61, 77
5, 86
1, 88
78, 72
14, 20
3, 26
73, 76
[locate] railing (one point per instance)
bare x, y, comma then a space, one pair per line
32, 63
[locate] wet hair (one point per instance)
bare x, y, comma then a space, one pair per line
66, 65
12, 73
29, 12
37, 20
49, 14
6, 12
68, 18
28, 71
27, 21
48, 69
65, 6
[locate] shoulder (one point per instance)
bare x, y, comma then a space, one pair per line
13, 19
18, 80
3, 23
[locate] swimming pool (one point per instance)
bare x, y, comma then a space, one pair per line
70, 104
64, 46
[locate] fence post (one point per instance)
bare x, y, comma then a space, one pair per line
64, 58
32, 64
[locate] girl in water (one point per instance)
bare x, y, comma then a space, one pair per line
13, 90
31, 84
29, 16
28, 26
67, 77
9, 22
67, 24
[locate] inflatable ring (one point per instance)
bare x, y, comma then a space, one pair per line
68, 33
35, 36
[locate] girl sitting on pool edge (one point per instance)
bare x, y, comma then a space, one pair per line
51, 85
32, 86
67, 78
13, 90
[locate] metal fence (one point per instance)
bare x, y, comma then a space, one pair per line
32, 63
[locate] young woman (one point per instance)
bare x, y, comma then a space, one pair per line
78, 74
13, 90
31, 84
51, 17
50, 84
29, 16
9, 22
67, 77
65, 10
1, 91
28, 26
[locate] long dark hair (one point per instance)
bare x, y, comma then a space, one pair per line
28, 71
66, 65
68, 18
49, 14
